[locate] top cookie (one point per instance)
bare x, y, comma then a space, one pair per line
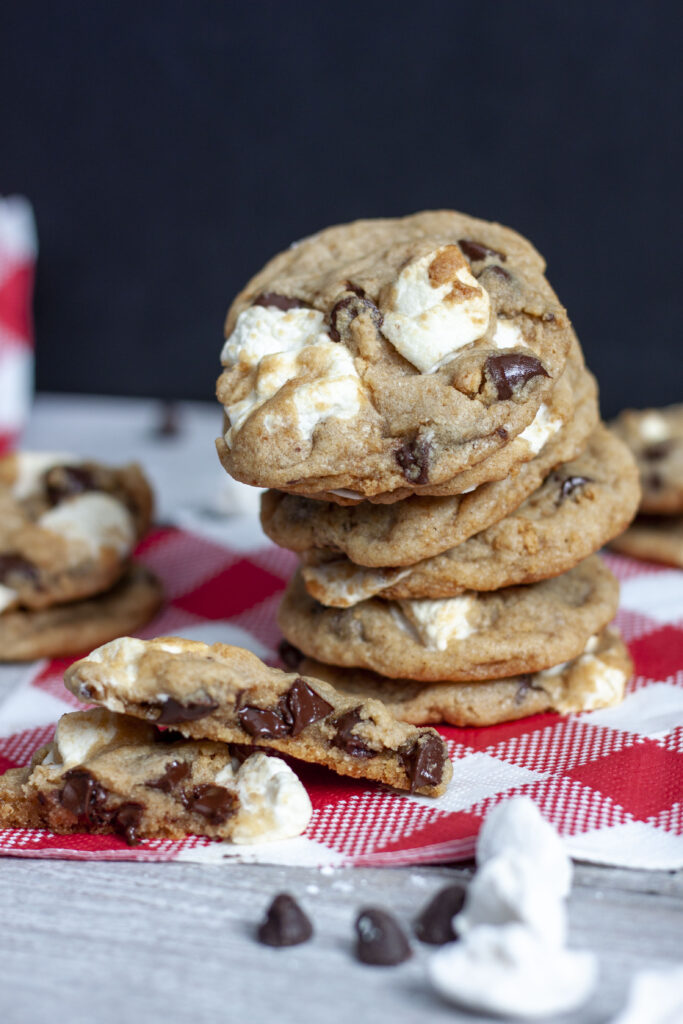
67, 527
655, 436
387, 354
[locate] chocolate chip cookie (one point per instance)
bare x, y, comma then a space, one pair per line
388, 355
67, 527
655, 436
595, 679
107, 773
227, 694
653, 538
66, 629
471, 637
580, 506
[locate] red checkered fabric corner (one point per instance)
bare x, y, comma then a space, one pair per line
18, 250
611, 781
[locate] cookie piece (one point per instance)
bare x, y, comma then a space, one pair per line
226, 693
109, 773
403, 533
72, 628
654, 539
388, 354
67, 527
655, 436
473, 636
596, 679
580, 506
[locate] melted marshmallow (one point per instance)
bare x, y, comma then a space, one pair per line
541, 429
95, 519
273, 802
438, 622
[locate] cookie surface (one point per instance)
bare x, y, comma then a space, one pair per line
72, 628
580, 506
405, 532
595, 679
67, 527
655, 436
470, 637
227, 694
653, 538
108, 773
388, 354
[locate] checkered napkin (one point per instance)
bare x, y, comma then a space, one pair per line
18, 248
611, 781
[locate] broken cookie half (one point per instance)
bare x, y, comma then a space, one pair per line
106, 773
227, 694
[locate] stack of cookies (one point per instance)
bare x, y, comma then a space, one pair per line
655, 437
413, 393
67, 530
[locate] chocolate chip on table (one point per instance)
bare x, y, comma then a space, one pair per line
571, 484
346, 740
299, 707
285, 923
17, 567
347, 309
290, 656
478, 251
282, 302
174, 772
423, 762
513, 370
435, 923
413, 459
215, 803
174, 711
62, 482
380, 939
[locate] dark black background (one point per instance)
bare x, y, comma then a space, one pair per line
171, 148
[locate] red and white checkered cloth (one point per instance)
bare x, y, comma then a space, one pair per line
611, 781
18, 250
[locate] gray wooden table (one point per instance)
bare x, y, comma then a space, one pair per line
94, 943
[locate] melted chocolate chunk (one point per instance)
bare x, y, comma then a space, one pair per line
299, 707
285, 923
173, 711
423, 762
380, 939
18, 568
290, 656
657, 451
502, 433
435, 923
84, 797
413, 458
494, 271
174, 772
571, 484
169, 736
346, 740
282, 302
215, 803
478, 251
512, 370
523, 686
347, 309
67, 481
126, 821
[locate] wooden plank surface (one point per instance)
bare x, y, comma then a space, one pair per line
173, 943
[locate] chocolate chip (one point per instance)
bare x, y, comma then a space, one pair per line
282, 302
502, 433
290, 656
548, 318
413, 458
347, 309
296, 709
174, 772
173, 711
168, 736
67, 481
345, 738
523, 686
653, 481
478, 251
126, 821
657, 451
423, 761
435, 923
18, 568
285, 923
215, 803
84, 797
494, 271
571, 484
380, 939
513, 370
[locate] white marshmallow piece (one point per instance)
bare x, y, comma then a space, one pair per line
7, 596
440, 621
518, 826
654, 427
262, 331
273, 802
541, 429
81, 734
427, 324
512, 972
508, 335
32, 465
346, 584
94, 519
655, 997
